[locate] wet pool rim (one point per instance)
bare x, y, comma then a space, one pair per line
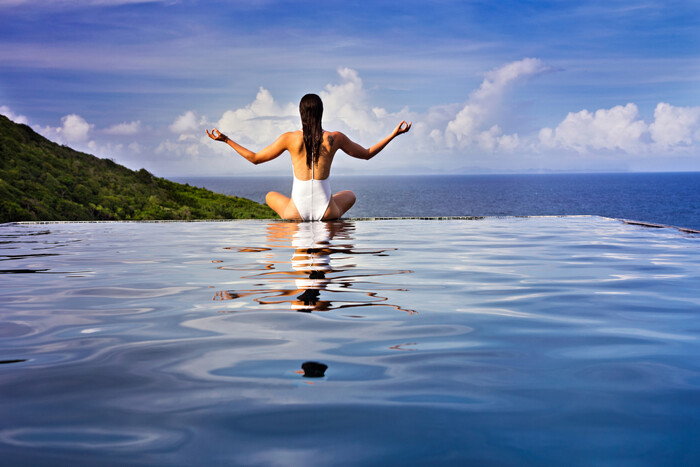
366, 219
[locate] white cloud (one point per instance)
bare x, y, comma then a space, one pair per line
175, 150
468, 127
261, 121
675, 126
124, 128
6, 111
621, 129
465, 126
185, 122
500, 78
346, 105
618, 128
75, 129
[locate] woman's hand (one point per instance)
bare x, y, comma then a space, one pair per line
402, 128
216, 135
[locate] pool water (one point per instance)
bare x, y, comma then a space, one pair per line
496, 341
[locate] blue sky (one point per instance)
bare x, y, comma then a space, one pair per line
491, 86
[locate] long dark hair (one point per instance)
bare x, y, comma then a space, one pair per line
311, 111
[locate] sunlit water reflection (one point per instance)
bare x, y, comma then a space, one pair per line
325, 271
495, 341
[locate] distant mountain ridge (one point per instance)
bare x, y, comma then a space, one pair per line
42, 180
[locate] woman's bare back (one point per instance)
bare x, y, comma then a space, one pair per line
322, 166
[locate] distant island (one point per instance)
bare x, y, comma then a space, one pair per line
44, 181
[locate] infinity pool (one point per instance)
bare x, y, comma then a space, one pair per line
496, 341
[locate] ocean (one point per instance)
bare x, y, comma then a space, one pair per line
661, 198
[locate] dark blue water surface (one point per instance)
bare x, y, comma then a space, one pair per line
497, 341
663, 198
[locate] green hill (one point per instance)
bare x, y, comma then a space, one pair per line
42, 180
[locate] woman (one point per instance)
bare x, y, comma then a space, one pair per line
312, 150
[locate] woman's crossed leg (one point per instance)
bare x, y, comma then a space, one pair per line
284, 206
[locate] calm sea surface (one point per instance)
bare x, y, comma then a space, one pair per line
499, 341
662, 198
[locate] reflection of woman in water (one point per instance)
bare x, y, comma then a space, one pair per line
312, 258
311, 281
312, 150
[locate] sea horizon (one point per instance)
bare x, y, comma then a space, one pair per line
667, 198
351, 173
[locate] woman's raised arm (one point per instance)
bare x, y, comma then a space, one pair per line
264, 155
355, 150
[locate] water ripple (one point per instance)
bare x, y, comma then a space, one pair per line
92, 438
125, 292
498, 341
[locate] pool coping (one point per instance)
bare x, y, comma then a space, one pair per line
363, 219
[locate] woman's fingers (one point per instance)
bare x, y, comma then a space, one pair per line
215, 134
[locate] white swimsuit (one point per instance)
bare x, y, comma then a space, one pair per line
311, 197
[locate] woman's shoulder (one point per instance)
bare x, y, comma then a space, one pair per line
291, 137
293, 134
333, 137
